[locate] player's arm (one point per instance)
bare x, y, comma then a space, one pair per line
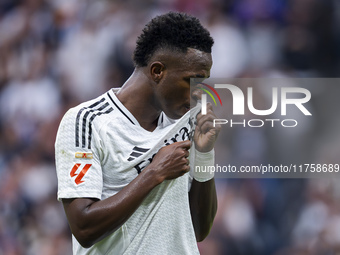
91, 220
202, 195
203, 207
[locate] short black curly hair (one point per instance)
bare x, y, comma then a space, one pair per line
174, 31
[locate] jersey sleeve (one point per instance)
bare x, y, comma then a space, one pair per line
78, 165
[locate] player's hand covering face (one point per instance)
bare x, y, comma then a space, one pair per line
205, 132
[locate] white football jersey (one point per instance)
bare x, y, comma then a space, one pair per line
100, 148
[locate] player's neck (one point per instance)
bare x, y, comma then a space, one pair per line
137, 97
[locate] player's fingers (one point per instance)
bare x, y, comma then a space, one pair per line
210, 113
186, 169
185, 165
186, 153
183, 153
205, 118
185, 144
209, 106
206, 126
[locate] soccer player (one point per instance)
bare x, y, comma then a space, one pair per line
122, 159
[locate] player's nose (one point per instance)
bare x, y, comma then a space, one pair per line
196, 94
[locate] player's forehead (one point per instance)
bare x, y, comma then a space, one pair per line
193, 63
196, 63
197, 57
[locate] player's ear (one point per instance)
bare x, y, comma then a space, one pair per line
157, 71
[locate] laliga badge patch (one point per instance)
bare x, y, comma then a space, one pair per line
85, 155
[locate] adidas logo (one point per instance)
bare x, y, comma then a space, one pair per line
136, 152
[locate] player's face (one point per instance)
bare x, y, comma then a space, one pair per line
173, 91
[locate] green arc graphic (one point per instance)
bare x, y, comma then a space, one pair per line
208, 92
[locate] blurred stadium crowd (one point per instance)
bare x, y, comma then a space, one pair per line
55, 54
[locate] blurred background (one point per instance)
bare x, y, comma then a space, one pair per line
55, 54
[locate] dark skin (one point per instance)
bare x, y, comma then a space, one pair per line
163, 85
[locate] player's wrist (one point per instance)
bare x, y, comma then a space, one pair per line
203, 165
153, 175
